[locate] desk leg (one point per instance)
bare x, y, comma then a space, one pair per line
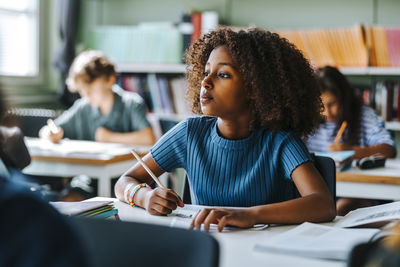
104, 184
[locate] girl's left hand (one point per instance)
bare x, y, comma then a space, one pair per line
102, 134
242, 218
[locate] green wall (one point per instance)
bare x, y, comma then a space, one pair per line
272, 14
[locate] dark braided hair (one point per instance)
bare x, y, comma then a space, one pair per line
283, 90
350, 105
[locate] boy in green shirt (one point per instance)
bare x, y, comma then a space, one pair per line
105, 113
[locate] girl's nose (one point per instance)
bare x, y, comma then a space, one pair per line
207, 82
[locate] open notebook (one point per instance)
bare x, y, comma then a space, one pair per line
341, 158
183, 218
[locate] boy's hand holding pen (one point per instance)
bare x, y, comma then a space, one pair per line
160, 201
53, 133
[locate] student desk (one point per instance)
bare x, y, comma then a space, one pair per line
236, 247
379, 183
102, 161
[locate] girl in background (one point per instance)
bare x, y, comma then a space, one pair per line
365, 132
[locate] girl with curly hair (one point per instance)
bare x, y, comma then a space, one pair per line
365, 132
257, 96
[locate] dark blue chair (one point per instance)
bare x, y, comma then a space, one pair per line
116, 243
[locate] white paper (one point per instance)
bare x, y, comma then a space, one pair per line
316, 241
379, 213
79, 148
183, 218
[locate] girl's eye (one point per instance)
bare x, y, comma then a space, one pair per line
224, 75
205, 74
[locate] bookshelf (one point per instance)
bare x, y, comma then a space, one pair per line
393, 125
150, 68
371, 71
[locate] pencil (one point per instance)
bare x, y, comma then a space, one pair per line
340, 132
148, 170
52, 126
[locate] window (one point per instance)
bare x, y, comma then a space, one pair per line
19, 38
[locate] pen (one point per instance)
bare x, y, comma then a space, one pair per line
340, 132
148, 170
53, 127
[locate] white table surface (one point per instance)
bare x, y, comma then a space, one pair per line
236, 248
102, 161
379, 183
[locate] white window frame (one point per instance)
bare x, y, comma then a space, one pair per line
37, 79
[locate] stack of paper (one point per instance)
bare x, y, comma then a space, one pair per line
97, 209
334, 242
317, 241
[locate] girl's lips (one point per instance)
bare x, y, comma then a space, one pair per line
205, 99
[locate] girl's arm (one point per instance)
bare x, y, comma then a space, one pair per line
315, 205
385, 150
157, 201
142, 137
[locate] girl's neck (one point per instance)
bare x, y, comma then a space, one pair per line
233, 129
107, 103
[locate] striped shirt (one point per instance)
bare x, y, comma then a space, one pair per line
252, 171
372, 132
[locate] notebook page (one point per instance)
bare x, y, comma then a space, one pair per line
183, 218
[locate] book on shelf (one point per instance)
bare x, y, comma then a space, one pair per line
357, 46
147, 42
196, 22
163, 94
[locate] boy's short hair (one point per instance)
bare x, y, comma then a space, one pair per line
88, 66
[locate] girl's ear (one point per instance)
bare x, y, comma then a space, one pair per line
112, 80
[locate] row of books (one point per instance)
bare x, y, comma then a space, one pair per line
356, 46
163, 94
149, 42
94, 209
384, 97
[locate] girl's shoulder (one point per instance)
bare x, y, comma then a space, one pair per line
368, 113
200, 120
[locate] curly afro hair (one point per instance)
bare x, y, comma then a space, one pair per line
283, 91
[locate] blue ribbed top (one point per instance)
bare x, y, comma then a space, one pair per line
252, 171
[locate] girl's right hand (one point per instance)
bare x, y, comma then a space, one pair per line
162, 201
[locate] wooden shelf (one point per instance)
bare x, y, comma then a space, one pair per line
150, 68
392, 125
180, 68
371, 71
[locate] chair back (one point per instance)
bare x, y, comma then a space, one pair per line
116, 243
327, 168
325, 165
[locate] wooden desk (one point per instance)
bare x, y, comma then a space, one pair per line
102, 161
379, 183
236, 248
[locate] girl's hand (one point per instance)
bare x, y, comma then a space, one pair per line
338, 147
161, 202
242, 218
102, 134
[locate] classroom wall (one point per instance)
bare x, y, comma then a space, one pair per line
273, 14
270, 14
